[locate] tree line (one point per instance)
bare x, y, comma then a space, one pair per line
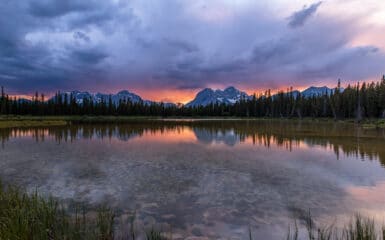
366, 100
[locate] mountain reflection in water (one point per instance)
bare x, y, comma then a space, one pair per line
340, 137
211, 178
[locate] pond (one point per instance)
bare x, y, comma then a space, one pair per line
213, 178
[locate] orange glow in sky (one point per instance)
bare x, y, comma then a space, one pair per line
186, 95
164, 95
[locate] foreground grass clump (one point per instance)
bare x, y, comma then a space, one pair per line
24, 216
31, 123
32, 217
359, 228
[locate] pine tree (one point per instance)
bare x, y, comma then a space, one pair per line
381, 100
359, 108
2, 102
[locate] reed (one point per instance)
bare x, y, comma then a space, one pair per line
30, 216
359, 228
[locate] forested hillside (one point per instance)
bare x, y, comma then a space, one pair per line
366, 100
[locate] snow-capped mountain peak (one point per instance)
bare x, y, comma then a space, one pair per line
207, 96
122, 96
318, 91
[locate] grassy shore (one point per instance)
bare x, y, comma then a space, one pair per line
30, 216
47, 121
24, 216
31, 123
359, 228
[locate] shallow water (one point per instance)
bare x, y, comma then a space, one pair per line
211, 178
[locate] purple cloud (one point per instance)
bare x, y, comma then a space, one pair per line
99, 44
299, 18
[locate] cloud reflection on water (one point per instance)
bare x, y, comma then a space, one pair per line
216, 176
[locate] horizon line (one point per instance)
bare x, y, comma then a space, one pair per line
249, 93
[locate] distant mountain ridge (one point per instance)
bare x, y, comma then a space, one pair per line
318, 91
205, 97
231, 95
123, 95
209, 96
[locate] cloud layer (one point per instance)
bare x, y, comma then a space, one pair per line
298, 18
181, 46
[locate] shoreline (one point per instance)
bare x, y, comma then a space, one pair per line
34, 216
51, 121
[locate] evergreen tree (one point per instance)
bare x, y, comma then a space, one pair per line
358, 101
2, 102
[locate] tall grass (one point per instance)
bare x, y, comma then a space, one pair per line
359, 228
32, 217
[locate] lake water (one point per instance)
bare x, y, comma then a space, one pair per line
211, 178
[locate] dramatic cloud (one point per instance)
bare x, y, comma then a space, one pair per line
299, 18
170, 49
82, 36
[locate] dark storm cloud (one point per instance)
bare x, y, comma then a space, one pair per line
191, 85
32, 57
72, 14
56, 8
347, 62
200, 67
303, 57
88, 56
275, 51
226, 67
97, 44
82, 36
194, 73
299, 18
184, 46
36, 69
189, 64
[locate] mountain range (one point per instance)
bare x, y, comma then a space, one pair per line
317, 91
115, 98
207, 96
232, 95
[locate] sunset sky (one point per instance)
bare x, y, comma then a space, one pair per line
168, 50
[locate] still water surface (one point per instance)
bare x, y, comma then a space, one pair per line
210, 178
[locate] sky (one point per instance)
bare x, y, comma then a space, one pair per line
167, 50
